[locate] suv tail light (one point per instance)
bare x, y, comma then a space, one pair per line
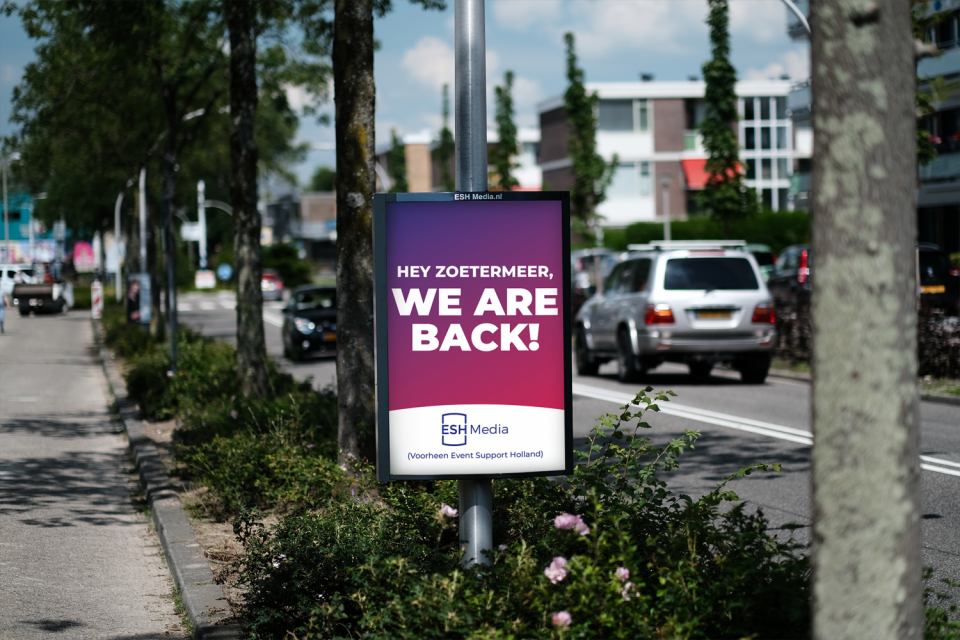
763, 314
804, 273
955, 271
658, 314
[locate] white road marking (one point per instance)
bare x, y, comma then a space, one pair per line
228, 304
206, 305
937, 465
183, 306
273, 318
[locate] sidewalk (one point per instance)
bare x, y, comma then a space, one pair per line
76, 559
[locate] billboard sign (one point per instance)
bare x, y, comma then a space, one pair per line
473, 335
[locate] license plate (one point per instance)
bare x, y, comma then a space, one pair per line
714, 315
330, 337
934, 288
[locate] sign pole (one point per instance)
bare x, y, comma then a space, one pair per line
476, 496
202, 218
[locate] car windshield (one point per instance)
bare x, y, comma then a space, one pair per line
933, 264
764, 258
318, 299
694, 274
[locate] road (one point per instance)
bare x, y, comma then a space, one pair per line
740, 425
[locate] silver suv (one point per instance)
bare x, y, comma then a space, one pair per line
695, 302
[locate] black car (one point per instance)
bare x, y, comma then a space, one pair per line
939, 283
310, 322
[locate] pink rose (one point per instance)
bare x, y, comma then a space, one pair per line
623, 574
234, 414
448, 511
557, 570
570, 521
562, 619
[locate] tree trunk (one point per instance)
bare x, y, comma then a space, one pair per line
355, 94
866, 529
251, 348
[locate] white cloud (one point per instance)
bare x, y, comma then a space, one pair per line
795, 64
298, 97
520, 16
430, 62
764, 22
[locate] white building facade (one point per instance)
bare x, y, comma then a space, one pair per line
652, 129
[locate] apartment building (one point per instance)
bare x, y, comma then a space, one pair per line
424, 173
938, 194
652, 129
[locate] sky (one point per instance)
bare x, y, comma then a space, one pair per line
616, 41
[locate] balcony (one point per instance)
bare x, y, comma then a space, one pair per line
944, 167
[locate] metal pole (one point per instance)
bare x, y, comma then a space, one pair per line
6, 216
143, 220
470, 118
171, 250
202, 217
665, 185
31, 243
116, 242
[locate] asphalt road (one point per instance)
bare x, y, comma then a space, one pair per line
740, 425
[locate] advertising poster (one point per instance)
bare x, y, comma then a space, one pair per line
473, 336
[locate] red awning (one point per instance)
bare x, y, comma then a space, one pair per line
695, 169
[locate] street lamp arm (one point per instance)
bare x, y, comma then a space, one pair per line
216, 204
796, 11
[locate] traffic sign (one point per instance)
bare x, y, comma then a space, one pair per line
224, 272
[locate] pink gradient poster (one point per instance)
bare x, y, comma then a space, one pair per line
473, 297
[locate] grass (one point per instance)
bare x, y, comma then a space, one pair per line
948, 386
188, 627
796, 367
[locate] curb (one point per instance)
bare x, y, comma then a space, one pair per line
938, 398
203, 599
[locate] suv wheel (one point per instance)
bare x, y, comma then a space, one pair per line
627, 370
586, 365
755, 371
700, 370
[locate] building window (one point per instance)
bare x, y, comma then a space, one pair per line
751, 169
615, 115
749, 141
765, 137
781, 108
644, 178
766, 197
766, 169
624, 183
643, 115
748, 109
781, 137
764, 108
783, 202
782, 173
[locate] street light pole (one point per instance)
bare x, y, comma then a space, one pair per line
6, 215
202, 218
665, 196
116, 240
31, 232
476, 496
143, 219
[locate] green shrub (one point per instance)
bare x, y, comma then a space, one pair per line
124, 338
390, 568
285, 259
777, 229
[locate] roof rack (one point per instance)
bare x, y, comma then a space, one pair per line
677, 245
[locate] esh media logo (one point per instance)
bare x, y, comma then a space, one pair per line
454, 429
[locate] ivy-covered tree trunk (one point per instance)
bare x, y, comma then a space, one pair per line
724, 196
866, 529
591, 174
508, 145
251, 348
355, 95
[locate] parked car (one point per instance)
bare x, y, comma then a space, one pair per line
939, 282
790, 282
310, 322
679, 302
584, 265
766, 259
272, 285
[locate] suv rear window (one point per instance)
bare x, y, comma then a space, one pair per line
694, 274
